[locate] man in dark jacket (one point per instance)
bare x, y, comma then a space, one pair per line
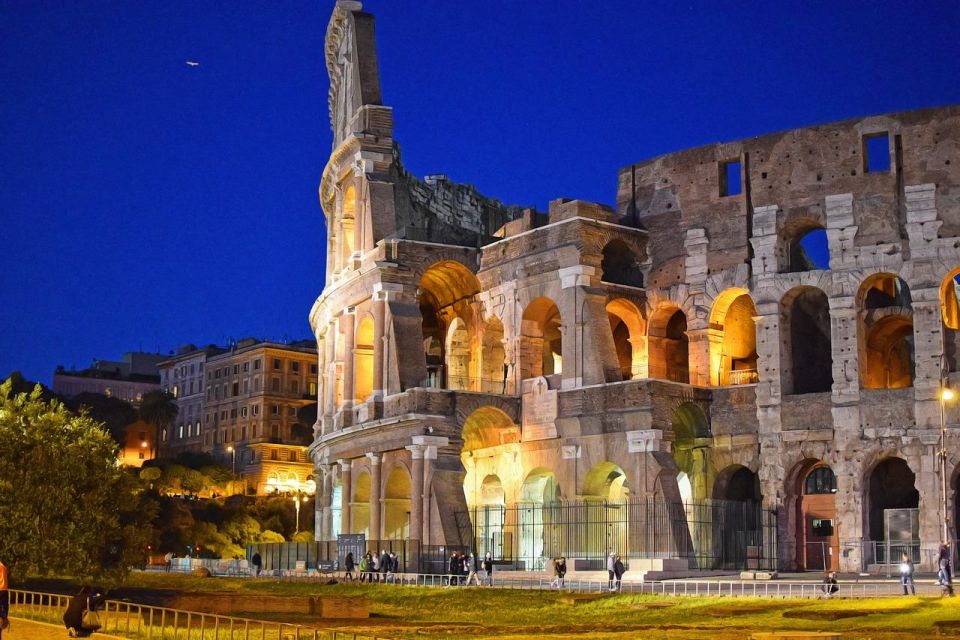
257, 562
384, 565
488, 568
453, 569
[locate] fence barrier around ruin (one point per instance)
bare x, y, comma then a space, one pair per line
137, 621
708, 535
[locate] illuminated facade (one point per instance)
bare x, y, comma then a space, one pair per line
240, 405
737, 366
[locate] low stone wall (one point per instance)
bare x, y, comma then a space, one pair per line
232, 604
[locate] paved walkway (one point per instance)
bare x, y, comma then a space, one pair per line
29, 630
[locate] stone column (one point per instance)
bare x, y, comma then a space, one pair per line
379, 312
846, 372
347, 329
700, 369
429, 446
346, 491
928, 353
375, 459
416, 491
589, 354
323, 505
841, 231
923, 224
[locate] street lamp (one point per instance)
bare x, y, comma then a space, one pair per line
233, 466
946, 395
296, 503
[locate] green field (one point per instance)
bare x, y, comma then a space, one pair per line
470, 612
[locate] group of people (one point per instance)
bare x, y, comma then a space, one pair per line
465, 569
615, 571
373, 567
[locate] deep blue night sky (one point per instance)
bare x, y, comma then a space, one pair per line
146, 203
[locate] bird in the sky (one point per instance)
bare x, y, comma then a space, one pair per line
191, 63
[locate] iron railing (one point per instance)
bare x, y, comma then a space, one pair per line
713, 534
139, 621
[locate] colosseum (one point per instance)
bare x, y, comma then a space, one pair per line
740, 365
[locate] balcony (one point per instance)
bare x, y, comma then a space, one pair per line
743, 376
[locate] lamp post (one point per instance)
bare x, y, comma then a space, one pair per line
233, 468
946, 394
296, 503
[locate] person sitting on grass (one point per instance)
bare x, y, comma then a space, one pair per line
830, 586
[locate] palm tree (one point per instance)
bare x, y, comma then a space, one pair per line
159, 409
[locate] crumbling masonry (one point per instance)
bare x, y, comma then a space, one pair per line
535, 384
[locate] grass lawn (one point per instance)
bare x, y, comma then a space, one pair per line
471, 612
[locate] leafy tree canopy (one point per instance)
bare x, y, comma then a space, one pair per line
60, 489
114, 413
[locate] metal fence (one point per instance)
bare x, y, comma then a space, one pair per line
709, 535
326, 556
138, 621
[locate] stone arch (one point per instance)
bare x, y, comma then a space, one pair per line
733, 338
360, 504
605, 481
629, 337
691, 427
668, 345
486, 427
458, 355
620, 264
363, 359
950, 314
737, 482
890, 484
806, 358
885, 332
803, 244
491, 491
541, 345
396, 504
540, 486
446, 290
814, 486
348, 224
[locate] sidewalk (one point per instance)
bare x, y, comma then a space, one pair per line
28, 630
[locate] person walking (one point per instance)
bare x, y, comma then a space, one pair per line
610, 570
348, 564
452, 569
257, 562
384, 565
561, 572
168, 560
364, 566
945, 570
488, 568
375, 568
392, 565
4, 598
555, 569
473, 569
618, 571
906, 574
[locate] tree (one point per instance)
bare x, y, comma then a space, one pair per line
60, 490
114, 413
158, 408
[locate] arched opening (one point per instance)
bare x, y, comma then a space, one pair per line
817, 533
446, 291
885, 333
363, 360
488, 427
620, 265
458, 355
733, 339
738, 483
807, 366
893, 511
606, 481
807, 248
950, 312
691, 447
493, 358
360, 505
668, 345
489, 514
347, 226
396, 505
537, 512
629, 337
541, 345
